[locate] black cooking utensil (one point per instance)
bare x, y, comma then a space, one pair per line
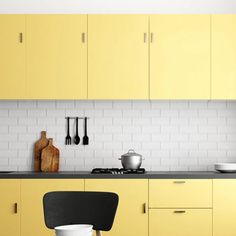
76, 138
68, 137
85, 138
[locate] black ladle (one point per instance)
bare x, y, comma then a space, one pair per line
76, 138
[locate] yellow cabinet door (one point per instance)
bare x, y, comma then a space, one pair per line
224, 207
32, 192
118, 57
180, 56
188, 193
56, 56
180, 222
12, 57
223, 56
10, 207
131, 218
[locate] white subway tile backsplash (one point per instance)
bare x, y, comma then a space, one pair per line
169, 145
65, 104
27, 104
4, 145
8, 104
37, 112
171, 135
56, 113
5, 121
27, 121
3, 129
46, 104
4, 113
112, 113
207, 113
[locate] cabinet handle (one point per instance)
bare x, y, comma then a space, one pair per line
179, 182
15, 208
145, 208
21, 37
179, 212
151, 37
83, 37
145, 37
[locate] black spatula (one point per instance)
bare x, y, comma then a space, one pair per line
85, 138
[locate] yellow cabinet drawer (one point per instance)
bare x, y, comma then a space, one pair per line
180, 222
182, 193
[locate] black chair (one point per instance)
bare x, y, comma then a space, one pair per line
72, 207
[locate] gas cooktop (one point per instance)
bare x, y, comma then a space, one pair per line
117, 171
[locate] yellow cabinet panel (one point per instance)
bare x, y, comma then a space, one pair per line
32, 192
224, 207
56, 56
9, 218
12, 57
118, 57
189, 222
180, 56
223, 56
180, 193
130, 219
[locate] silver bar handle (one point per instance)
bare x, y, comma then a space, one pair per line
180, 212
21, 37
145, 37
179, 182
151, 37
83, 37
145, 208
15, 208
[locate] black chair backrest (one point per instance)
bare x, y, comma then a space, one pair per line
72, 207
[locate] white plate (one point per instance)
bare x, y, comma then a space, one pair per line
226, 167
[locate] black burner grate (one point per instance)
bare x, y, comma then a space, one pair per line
117, 171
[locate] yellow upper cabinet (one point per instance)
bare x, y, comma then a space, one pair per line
180, 56
118, 57
10, 207
12, 57
223, 56
56, 56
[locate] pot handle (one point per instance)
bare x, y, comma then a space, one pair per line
131, 151
119, 158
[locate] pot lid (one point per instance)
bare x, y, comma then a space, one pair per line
131, 153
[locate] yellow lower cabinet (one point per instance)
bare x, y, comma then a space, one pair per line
9, 207
224, 207
32, 192
180, 222
131, 217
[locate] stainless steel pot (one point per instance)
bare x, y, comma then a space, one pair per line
131, 160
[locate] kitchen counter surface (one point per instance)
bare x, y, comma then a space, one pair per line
147, 175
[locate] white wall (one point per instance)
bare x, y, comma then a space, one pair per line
117, 6
187, 135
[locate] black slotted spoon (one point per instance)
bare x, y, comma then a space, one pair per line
85, 138
76, 138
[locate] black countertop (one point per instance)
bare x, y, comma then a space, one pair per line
147, 175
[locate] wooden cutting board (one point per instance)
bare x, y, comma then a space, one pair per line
50, 158
38, 147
